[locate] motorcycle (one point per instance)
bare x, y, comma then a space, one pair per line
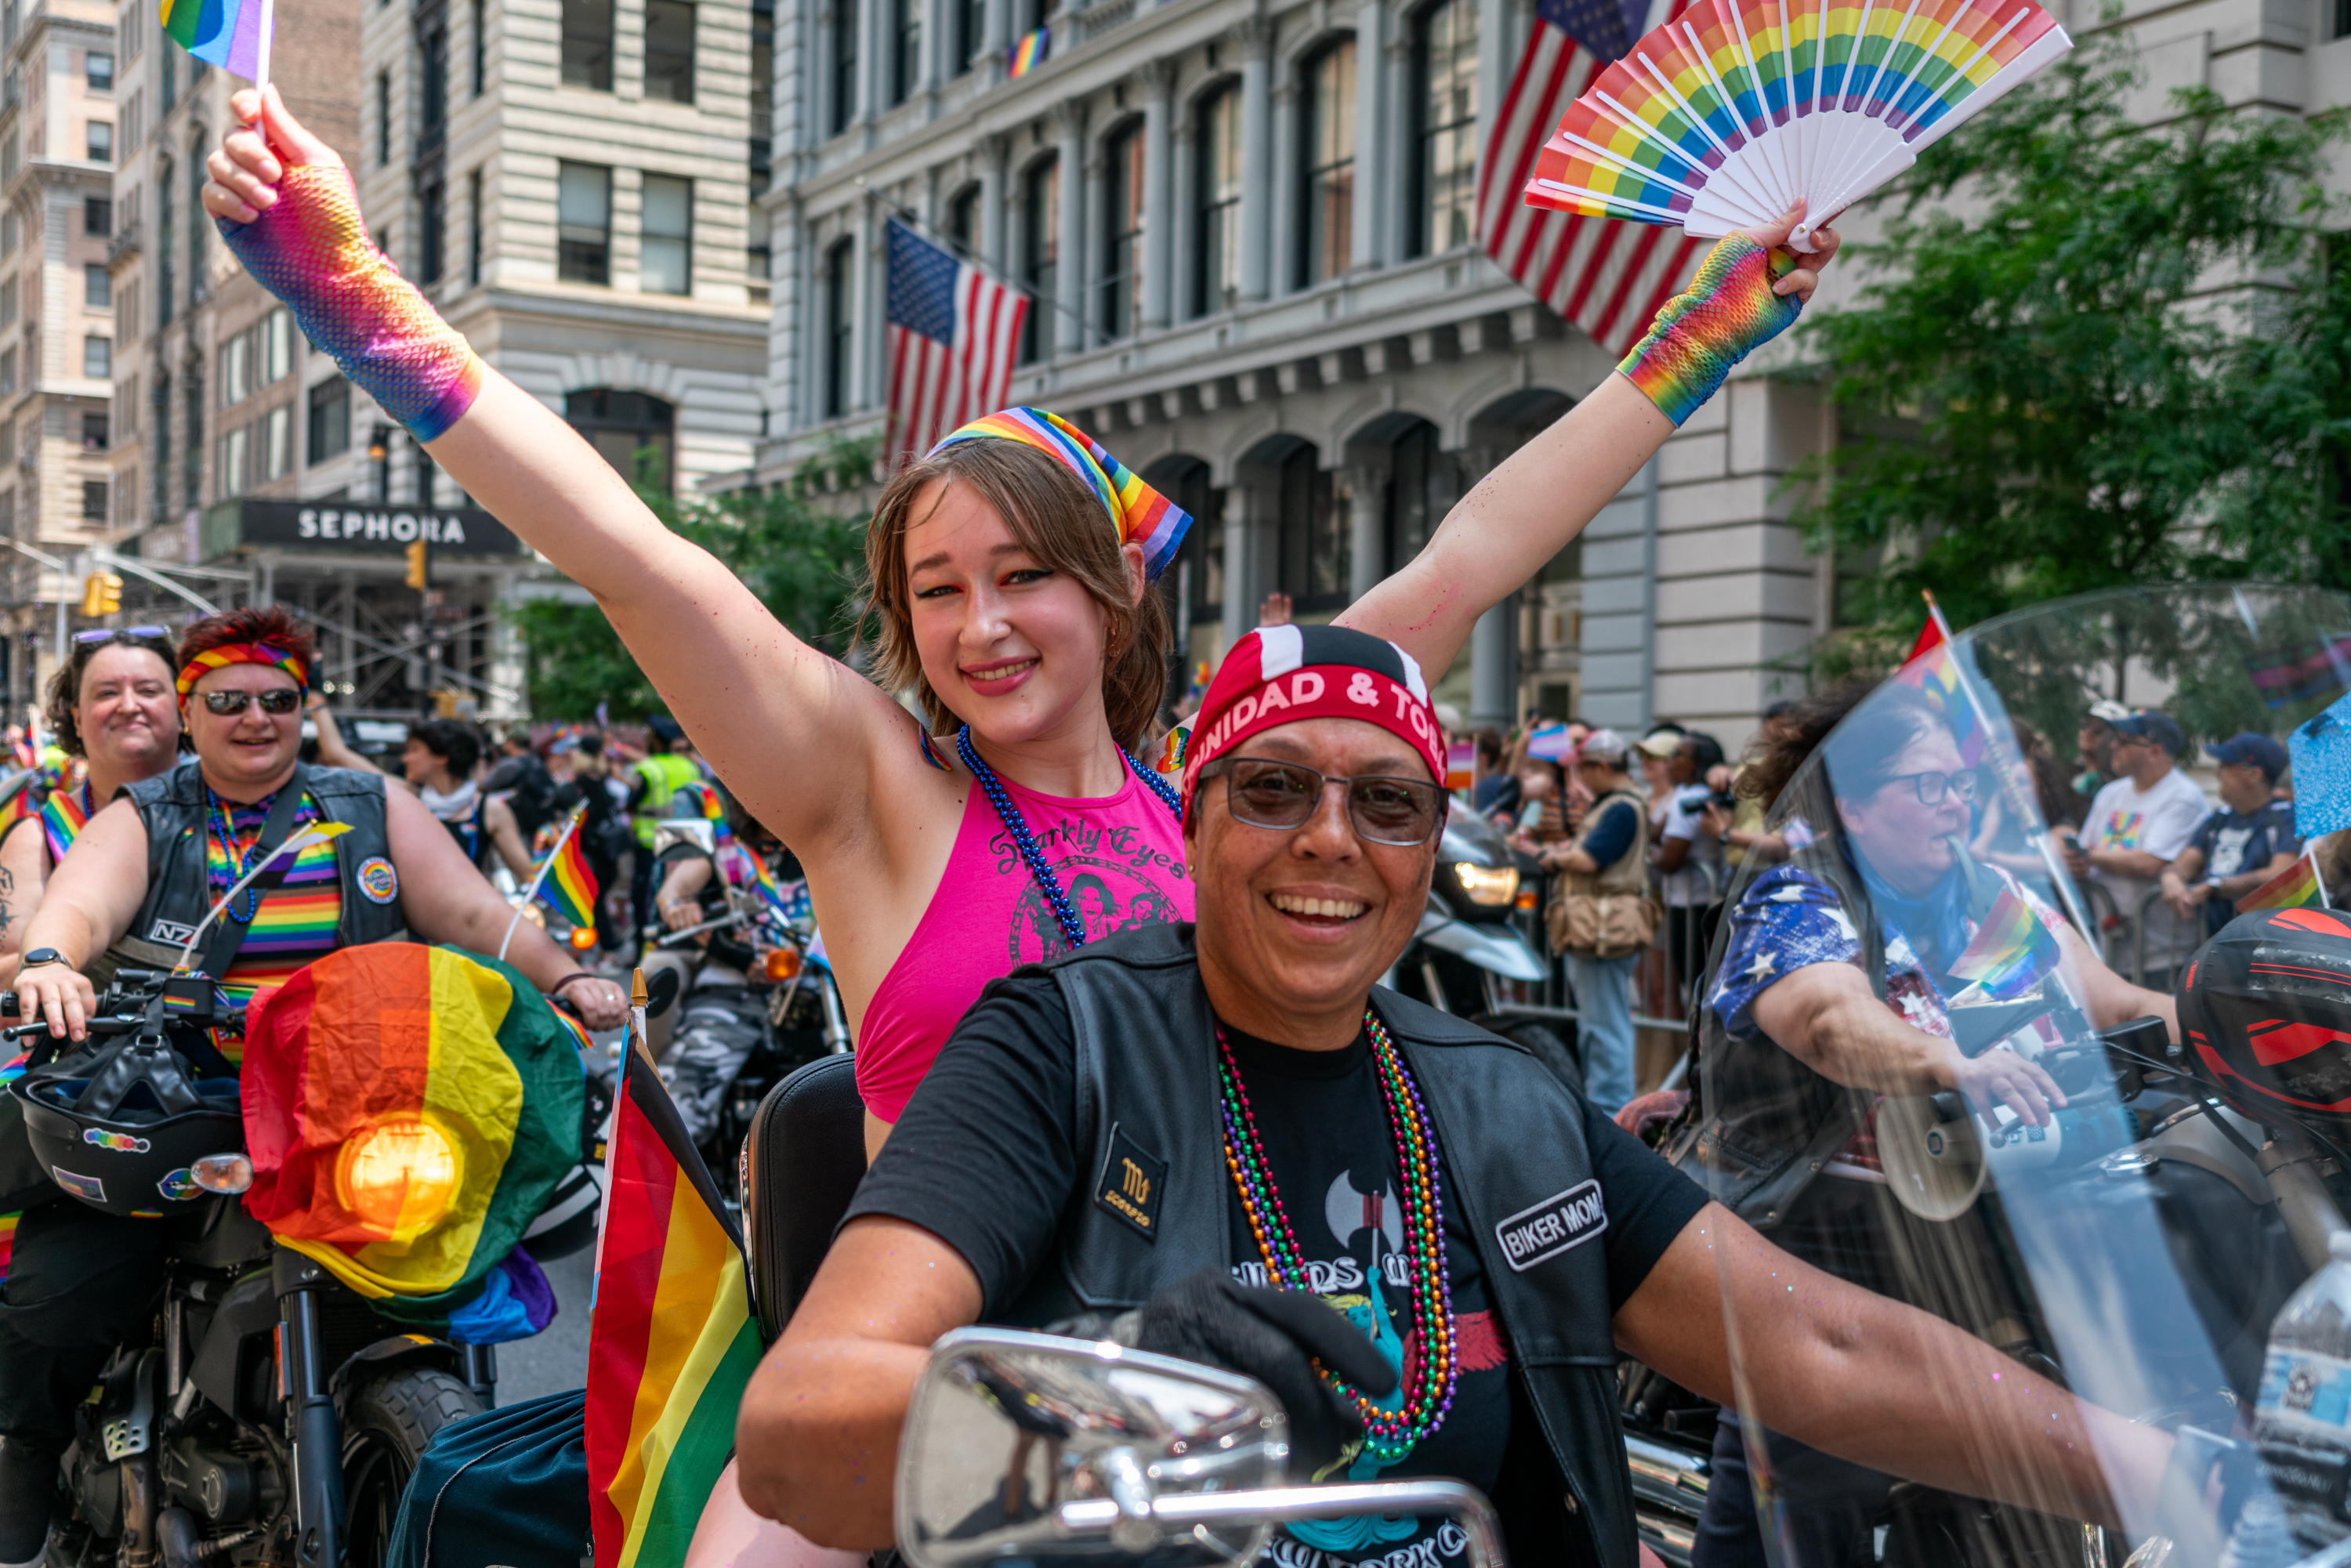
2135, 1248
275, 1418
1470, 941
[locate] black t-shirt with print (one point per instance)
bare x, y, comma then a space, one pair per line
985, 1159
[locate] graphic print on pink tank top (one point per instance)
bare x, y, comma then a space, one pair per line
1120, 859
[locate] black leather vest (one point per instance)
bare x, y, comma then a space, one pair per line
179, 892
1512, 1138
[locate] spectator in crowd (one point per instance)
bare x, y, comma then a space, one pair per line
1600, 915
2249, 840
1543, 812
438, 764
2095, 743
1489, 774
2003, 839
523, 779
1689, 856
2137, 827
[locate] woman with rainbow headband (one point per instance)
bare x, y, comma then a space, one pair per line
1024, 627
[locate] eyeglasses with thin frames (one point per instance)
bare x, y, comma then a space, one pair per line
1283, 796
277, 702
1932, 787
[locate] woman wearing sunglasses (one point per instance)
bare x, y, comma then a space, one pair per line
1022, 625
147, 869
112, 705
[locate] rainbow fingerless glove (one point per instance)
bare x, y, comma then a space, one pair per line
312, 249
1728, 313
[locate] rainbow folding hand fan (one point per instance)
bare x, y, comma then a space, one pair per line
1733, 111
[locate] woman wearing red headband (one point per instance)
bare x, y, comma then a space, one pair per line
1019, 621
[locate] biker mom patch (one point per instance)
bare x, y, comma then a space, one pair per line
1559, 1223
378, 883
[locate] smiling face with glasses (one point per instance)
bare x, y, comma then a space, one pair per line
1906, 818
246, 722
1311, 852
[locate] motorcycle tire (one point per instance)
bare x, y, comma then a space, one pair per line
1542, 1043
385, 1429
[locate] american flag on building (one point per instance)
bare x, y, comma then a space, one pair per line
953, 330
1605, 276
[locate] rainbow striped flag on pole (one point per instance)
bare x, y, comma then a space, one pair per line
2011, 951
2298, 886
671, 1343
233, 34
566, 885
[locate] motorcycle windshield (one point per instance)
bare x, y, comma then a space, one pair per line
1911, 973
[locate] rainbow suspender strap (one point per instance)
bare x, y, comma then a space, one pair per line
312, 249
1727, 312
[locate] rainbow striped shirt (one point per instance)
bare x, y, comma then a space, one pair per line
296, 922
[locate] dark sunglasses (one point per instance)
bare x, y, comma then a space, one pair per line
102, 633
278, 701
1283, 796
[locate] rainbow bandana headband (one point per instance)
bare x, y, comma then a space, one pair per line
239, 654
1141, 514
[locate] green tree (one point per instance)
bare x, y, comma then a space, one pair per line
801, 560
2126, 364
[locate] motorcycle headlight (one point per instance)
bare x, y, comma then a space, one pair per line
398, 1176
1493, 886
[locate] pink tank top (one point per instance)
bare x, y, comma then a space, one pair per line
1120, 859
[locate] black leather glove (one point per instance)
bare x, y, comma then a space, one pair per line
1274, 1336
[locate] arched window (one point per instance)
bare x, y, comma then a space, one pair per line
1195, 586
1119, 308
1443, 103
1041, 193
1420, 491
840, 327
963, 220
1326, 107
636, 433
1216, 203
1313, 540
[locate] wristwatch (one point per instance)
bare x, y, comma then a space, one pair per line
41, 956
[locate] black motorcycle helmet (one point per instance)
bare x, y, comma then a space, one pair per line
122, 1126
2266, 1013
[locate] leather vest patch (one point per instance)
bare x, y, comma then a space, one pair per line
1559, 1223
1130, 1184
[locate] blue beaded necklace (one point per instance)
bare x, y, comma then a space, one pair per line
1009, 814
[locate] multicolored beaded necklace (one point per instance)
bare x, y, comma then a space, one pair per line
1388, 1436
223, 825
1009, 814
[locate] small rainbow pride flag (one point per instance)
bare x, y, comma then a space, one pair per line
2296, 887
565, 883
230, 34
2010, 952
1937, 673
1029, 53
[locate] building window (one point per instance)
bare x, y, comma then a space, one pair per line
382, 118
584, 222
8, 370
97, 356
478, 50
763, 95
278, 443
474, 229
665, 243
432, 225
192, 447
97, 287
840, 326
236, 369
906, 50
1327, 115
963, 220
277, 346
844, 63
587, 45
669, 51
93, 500
97, 71
1039, 253
234, 447
167, 83
1119, 305
1420, 492
432, 87
331, 420
93, 430
1217, 259
199, 225
1314, 535
970, 31
166, 247
8, 303
97, 217
1444, 201
99, 141
635, 434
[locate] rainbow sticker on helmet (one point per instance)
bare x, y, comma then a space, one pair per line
89, 1189
180, 1186
146, 1213
379, 881
118, 1143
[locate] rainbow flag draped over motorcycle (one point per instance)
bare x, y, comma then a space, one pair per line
409, 1111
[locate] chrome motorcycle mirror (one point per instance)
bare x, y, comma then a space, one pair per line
1033, 1446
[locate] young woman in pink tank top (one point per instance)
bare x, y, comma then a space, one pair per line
1011, 570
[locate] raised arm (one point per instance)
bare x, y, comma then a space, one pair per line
1525, 512
757, 700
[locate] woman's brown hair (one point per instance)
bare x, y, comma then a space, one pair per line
268, 623
64, 691
1057, 520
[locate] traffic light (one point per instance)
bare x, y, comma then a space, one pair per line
420, 566
101, 594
